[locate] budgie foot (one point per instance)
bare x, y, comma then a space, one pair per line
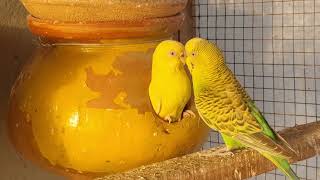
188, 114
224, 152
169, 119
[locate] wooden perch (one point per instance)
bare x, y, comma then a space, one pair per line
210, 164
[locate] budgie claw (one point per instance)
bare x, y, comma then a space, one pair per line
188, 114
168, 118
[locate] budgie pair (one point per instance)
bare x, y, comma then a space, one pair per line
220, 100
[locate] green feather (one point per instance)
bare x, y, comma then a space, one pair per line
231, 143
261, 120
267, 130
283, 165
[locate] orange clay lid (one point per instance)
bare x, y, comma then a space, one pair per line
102, 10
95, 20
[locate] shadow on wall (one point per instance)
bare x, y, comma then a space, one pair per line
16, 46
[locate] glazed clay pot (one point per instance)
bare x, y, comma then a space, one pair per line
81, 104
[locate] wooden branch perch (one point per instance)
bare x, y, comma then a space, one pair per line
210, 164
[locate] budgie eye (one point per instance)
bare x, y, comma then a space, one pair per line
172, 53
193, 54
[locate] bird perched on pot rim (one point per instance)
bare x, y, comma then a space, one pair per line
170, 87
226, 107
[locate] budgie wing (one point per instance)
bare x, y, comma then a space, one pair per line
263, 144
230, 114
265, 141
267, 129
155, 98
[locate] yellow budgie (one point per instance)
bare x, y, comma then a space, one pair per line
225, 106
170, 88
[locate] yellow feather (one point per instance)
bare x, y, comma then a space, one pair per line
170, 86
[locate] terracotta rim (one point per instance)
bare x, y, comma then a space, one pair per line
95, 31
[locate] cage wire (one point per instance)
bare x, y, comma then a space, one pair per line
273, 47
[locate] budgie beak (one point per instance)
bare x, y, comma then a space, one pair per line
183, 58
189, 64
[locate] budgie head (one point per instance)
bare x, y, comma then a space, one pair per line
169, 55
202, 56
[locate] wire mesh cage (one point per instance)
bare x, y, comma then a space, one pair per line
273, 47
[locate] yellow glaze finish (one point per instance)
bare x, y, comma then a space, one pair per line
85, 108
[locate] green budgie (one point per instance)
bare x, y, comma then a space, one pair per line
226, 107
